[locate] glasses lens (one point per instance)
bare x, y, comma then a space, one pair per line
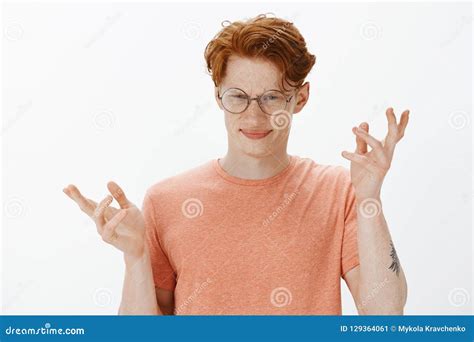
234, 100
273, 101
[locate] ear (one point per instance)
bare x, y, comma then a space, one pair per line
216, 94
302, 96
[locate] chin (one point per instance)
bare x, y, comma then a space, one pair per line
256, 151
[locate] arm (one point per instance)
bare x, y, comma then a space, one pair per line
138, 294
152, 300
378, 284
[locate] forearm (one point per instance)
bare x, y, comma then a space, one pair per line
382, 284
138, 294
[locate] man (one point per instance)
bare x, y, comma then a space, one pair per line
260, 231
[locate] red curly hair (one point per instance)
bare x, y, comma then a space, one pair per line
273, 39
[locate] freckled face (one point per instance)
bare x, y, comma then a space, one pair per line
253, 132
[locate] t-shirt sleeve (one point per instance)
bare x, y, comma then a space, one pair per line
163, 273
350, 251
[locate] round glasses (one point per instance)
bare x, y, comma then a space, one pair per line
236, 101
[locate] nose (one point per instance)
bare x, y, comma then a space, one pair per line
254, 108
254, 117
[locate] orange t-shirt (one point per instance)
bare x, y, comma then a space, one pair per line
228, 245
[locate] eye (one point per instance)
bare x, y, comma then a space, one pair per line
238, 96
271, 97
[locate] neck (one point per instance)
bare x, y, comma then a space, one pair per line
254, 167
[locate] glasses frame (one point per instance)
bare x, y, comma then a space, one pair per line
258, 99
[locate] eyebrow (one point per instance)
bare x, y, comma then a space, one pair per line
221, 89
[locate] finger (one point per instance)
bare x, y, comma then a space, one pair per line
403, 124
359, 159
109, 212
119, 195
391, 138
376, 145
99, 212
109, 230
361, 145
73, 192
392, 119
366, 137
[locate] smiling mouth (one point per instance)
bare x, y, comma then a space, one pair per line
255, 134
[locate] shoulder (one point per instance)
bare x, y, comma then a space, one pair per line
186, 181
322, 173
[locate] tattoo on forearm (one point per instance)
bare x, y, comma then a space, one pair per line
395, 266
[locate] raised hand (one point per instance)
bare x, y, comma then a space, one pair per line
123, 228
368, 168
